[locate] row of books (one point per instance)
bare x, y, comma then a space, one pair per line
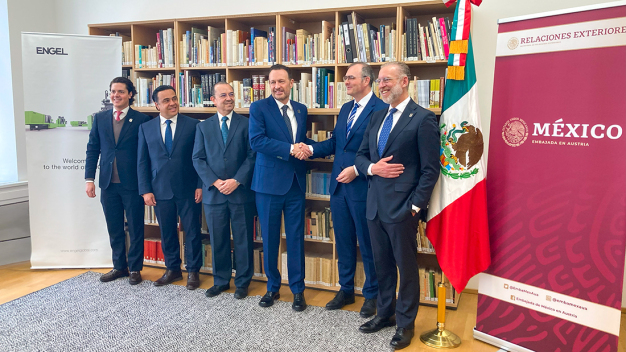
427, 42
318, 134
145, 87
127, 53
197, 88
300, 47
249, 90
318, 183
318, 225
158, 56
319, 269
428, 93
153, 252
363, 42
429, 282
315, 89
149, 217
257, 258
423, 244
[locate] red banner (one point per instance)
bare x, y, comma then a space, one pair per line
556, 183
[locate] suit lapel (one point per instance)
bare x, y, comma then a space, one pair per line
217, 128
273, 108
404, 120
362, 117
300, 121
155, 125
180, 122
109, 127
234, 122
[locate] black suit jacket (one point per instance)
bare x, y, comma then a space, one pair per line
213, 160
165, 175
102, 144
414, 143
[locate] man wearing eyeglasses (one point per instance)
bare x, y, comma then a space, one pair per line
400, 154
348, 188
225, 162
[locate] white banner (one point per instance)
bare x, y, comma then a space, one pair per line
575, 36
66, 80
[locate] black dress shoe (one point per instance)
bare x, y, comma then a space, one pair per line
193, 280
241, 292
402, 338
268, 299
216, 290
299, 304
341, 299
377, 324
369, 308
113, 274
169, 277
135, 278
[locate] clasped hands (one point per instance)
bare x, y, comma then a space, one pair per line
226, 186
301, 151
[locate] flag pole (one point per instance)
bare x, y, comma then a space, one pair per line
440, 337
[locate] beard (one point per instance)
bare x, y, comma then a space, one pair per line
394, 93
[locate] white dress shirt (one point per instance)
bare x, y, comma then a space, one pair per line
123, 114
164, 126
292, 117
219, 122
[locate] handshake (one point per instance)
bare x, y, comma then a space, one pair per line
301, 151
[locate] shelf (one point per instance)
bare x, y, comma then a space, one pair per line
309, 65
127, 66
202, 68
312, 240
321, 160
436, 63
317, 286
323, 199
154, 69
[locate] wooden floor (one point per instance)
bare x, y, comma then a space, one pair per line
18, 280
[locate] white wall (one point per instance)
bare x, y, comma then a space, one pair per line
73, 16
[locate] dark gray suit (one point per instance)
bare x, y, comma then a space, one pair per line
215, 160
414, 143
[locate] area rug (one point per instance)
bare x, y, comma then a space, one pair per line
83, 314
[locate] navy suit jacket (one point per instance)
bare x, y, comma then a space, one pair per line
167, 176
102, 144
275, 168
345, 148
414, 143
213, 160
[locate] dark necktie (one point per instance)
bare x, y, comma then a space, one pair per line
384, 133
224, 129
287, 120
351, 117
168, 136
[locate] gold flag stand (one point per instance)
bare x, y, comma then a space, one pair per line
440, 337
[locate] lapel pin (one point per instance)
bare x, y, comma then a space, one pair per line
411, 115
131, 120
298, 111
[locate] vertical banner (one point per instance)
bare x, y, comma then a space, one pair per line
66, 81
557, 185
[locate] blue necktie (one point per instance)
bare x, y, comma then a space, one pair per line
224, 129
168, 136
384, 133
351, 117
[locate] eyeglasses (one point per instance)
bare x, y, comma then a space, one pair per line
349, 78
385, 80
224, 95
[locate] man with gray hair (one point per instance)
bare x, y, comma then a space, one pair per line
400, 154
348, 188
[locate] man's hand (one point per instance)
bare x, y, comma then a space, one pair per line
90, 189
198, 195
148, 199
347, 175
301, 151
383, 169
229, 186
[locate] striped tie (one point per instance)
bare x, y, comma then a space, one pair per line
385, 131
351, 117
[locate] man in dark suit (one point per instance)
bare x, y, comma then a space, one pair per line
113, 139
224, 161
348, 188
277, 126
400, 153
168, 181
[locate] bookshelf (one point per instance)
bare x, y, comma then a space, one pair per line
319, 48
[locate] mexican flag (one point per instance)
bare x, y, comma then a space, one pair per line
457, 223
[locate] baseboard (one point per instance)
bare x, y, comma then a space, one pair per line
503, 344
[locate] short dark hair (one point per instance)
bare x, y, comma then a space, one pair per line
219, 84
130, 87
155, 94
280, 67
366, 71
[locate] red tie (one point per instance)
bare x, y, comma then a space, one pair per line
117, 116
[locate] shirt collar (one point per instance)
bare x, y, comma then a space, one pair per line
365, 99
124, 112
401, 106
280, 105
230, 116
173, 119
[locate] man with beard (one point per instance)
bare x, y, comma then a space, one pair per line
277, 126
400, 153
224, 161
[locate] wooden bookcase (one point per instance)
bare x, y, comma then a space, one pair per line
144, 33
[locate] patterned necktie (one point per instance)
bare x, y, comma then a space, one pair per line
117, 115
384, 133
224, 129
168, 136
287, 120
351, 117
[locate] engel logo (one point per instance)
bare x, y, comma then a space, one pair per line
50, 51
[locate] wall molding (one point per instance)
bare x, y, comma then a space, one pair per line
14, 193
